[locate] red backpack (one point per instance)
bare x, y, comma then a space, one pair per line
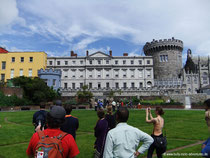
49, 147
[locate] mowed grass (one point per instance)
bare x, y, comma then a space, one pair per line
182, 128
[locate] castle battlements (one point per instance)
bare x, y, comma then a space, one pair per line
49, 72
163, 44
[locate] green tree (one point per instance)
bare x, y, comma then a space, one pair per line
35, 89
84, 95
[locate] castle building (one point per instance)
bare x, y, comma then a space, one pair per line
15, 64
103, 72
51, 77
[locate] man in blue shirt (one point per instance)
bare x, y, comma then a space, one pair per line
123, 140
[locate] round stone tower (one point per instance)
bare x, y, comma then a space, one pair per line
167, 57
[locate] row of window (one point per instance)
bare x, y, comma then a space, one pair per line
20, 73
90, 85
3, 63
98, 74
99, 62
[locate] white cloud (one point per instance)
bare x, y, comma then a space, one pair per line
131, 20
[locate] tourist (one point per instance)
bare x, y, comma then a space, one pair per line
39, 117
113, 105
110, 118
100, 129
123, 140
157, 134
54, 119
206, 145
71, 123
96, 105
118, 105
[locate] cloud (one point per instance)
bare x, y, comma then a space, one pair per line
80, 23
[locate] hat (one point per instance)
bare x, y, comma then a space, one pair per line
58, 102
58, 112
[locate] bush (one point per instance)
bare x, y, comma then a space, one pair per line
71, 102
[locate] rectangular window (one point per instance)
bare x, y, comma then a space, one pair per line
124, 62
99, 74
91, 62
73, 62
99, 62
140, 85
73, 86
13, 59
12, 73
81, 85
21, 72
54, 82
65, 85
90, 85
99, 85
58, 62
2, 77
30, 59
132, 85
65, 73
132, 62
90, 73
73, 73
3, 65
50, 62
66, 62
148, 62
107, 61
124, 85
117, 85
107, 85
116, 73
116, 62
166, 58
140, 62
148, 73
21, 59
30, 72
81, 62
124, 74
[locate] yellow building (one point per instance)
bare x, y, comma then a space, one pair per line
15, 64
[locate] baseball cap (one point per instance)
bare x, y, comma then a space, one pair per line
58, 112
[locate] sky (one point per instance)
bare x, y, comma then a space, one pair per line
59, 26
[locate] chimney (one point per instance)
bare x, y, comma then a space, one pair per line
72, 53
110, 52
125, 54
87, 53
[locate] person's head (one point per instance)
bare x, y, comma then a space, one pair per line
159, 111
100, 113
42, 106
55, 117
68, 109
122, 114
109, 110
58, 103
207, 104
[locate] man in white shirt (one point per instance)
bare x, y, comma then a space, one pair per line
113, 105
123, 140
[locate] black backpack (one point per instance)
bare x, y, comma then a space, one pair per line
41, 118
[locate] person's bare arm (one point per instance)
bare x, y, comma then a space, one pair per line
151, 120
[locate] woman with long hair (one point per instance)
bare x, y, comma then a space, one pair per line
157, 135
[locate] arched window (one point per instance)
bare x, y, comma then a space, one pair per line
149, 84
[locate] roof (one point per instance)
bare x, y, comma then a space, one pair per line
3, 50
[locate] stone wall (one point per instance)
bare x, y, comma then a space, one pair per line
194, 98
9, 91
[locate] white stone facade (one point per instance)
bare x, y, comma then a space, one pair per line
102, 71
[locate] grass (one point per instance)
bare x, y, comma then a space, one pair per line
182, 128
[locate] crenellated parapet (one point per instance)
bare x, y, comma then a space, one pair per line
55, 72
162, 44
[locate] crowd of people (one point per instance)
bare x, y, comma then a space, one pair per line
114, 137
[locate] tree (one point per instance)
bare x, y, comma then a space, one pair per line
84, 95
35, 89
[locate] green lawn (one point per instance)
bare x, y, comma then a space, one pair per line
183, 128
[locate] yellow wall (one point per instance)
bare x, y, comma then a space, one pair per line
39, 61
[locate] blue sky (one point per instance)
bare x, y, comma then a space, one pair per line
59, 26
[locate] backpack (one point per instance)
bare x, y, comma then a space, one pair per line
49, 147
